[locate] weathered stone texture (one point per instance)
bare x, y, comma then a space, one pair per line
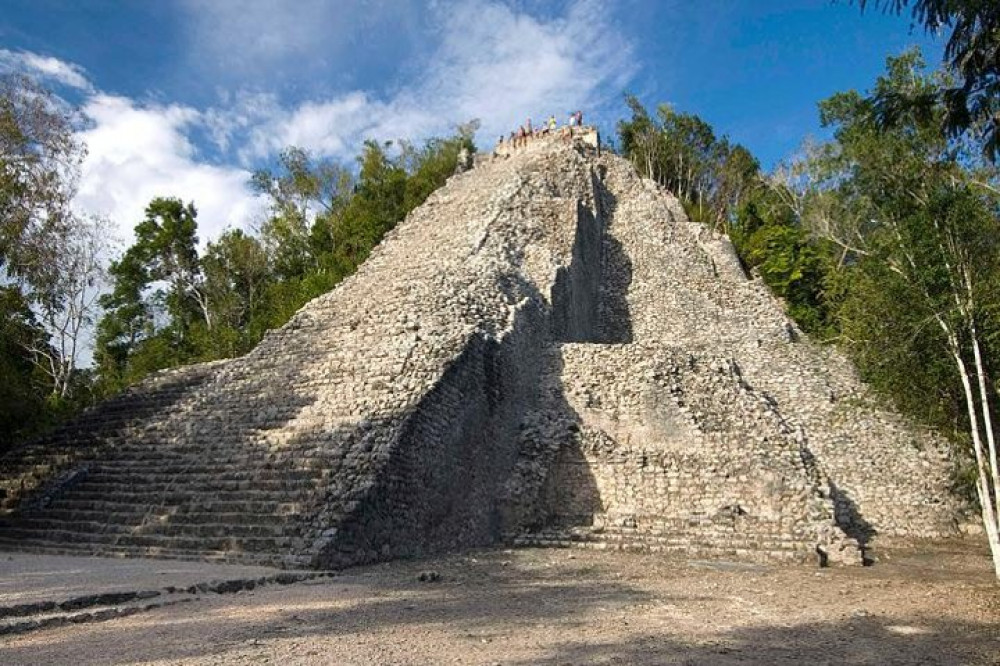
690, 291
547, 351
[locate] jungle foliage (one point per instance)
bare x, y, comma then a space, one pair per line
171, 304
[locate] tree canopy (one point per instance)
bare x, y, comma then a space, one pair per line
49, 269
972, 54
173, 304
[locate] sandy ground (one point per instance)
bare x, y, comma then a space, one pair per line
933, 604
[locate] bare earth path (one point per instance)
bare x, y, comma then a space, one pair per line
935, 604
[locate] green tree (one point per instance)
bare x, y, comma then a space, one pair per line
735, 178
431, 166
237, 276
39, 162
769, 237
306, 195
64, 293
710, 175
925, 273
158, 295
972, 54
22, 394
49, 270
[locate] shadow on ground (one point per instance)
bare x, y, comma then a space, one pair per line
555, 607
860, 640
481, 597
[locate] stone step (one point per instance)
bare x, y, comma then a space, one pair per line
97, 606
221, 556
153, 524
114, 416
183, 485
154, 460
126, 496
177, 515
249, 544
41, 456
151, 450
225, 471
194, 476
690, 550
99, 613
114, 460
698, 541
191, 506
232, 448
162, 465
732, 545
692, 535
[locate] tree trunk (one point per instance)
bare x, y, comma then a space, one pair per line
985, 480
992, 482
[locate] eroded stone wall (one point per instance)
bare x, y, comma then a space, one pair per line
714, 425
547, 352
688, 290
381, 420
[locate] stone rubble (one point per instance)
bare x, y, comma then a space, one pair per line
102, 606
546, 352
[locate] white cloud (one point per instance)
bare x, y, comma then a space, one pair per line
138, 152
501, 66
241, 39
45, 67
237, 115
492, 63
334, 127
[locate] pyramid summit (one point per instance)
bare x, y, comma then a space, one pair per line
547, 352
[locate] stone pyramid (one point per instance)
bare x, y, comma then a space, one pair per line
546, 352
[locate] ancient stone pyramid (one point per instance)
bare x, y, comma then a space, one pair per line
546, 352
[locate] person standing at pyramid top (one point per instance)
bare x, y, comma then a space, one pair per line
552, 123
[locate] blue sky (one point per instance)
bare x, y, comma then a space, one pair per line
185, 97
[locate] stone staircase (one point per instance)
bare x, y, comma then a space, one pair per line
161, 500
702, 539
27, 469
358, 431
119, 481
546, 351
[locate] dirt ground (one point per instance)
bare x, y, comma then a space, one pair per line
931, 604
31, 578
